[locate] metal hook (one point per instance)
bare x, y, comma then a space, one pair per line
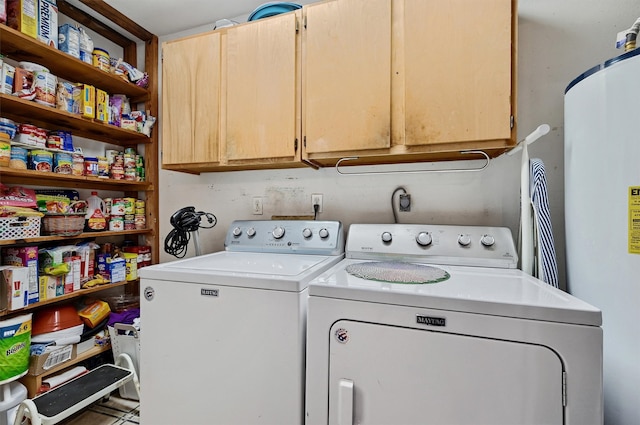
353, 158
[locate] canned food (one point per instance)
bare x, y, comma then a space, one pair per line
116, 172
63, 163
129, 206
130, 174
41, 160
54, 141
77, 167
27, 134
140, 221
107, 206
45, 86
116, 223
18, 158
103, 167
117, 206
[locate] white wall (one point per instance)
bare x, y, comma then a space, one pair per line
557, 41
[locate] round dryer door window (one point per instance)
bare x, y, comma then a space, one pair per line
398, 272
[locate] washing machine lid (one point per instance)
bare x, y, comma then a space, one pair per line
284, 272
489, 291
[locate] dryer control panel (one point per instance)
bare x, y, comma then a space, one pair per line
478, 246
286, 236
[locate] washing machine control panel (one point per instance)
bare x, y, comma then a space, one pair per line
480, 246
286, 236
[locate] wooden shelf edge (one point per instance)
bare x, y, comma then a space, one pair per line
84, 235
66, 297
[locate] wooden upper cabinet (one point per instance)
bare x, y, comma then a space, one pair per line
346, 76
191, 102
456, 65
261, 122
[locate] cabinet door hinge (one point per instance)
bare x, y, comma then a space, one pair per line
512, 121
305, 22
564, 389
305, 141
295, 145
297, 26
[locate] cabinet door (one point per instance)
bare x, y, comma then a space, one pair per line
190, 100
261, 95
456, 69
346, 75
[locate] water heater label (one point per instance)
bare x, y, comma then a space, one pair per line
634, 220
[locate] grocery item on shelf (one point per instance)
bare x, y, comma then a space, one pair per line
24, 256
69, 40
7, 77
15, 280
8, 127
22, 16
5, 149
48, 22
96, 219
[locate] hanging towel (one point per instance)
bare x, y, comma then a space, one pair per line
545, 264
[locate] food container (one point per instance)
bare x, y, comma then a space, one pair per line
118, 207
77, 166
101, 59
41, 160
45, 87
18, 158
5, 150
90, 166
116, 223
103, 167
8, 127
63, 163
27, 134
54, 140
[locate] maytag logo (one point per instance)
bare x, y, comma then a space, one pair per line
431, 321
209, 292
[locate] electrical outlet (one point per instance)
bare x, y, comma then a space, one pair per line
405, 202
257, 205
316, 199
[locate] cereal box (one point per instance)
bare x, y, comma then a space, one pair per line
25, 257
22, 16
88, 101
14, 283
8, 75
69, 40
102, 106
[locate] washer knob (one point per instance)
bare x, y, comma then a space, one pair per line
237, 231
464, 240
424, 239
487, 240
324, 233
306, 232
386, 237
278, 232
251, 232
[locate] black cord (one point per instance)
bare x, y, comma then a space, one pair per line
184, 221
316, 207
393, 208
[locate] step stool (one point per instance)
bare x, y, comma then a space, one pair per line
72, 396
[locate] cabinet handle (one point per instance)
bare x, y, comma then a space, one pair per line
444, 170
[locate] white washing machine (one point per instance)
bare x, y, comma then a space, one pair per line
223, 335
424, 324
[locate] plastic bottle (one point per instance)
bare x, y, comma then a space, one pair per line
95, 217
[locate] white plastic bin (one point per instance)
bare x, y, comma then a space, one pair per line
11, 395
126, 339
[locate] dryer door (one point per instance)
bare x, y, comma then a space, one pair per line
381, 374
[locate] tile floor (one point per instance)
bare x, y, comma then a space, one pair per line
115, 411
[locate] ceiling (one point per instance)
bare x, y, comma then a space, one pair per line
162, 17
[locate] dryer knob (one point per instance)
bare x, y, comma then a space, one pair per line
324, 233
487, 240
306, 232
237, 231
386, 237
278, 232
251, 232
424, 239
464, 240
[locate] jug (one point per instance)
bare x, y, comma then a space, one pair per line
95, 217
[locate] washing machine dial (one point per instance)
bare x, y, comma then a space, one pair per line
386, 237
487, 240
237, 232
424, 239
278, 232
324, 233
251, 232
306, 232
464, 240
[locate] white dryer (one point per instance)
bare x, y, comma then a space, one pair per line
223, 335
424, 324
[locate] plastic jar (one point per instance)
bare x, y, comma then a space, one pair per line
101, 59
91, 166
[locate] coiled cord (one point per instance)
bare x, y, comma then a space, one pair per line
184, 221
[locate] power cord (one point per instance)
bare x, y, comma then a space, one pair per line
393, 208
316, 208
185, 221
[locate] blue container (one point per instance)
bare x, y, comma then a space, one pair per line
272, 8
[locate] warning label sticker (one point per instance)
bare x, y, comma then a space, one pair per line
634, 220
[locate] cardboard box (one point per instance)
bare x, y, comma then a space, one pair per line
39, 364
48, 22
22, 16
117, 269
72, 279
102, 106
14, 287
69, 40
49, 286
26, 256
88, 101
8, 76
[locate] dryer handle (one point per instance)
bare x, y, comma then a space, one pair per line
345, 402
